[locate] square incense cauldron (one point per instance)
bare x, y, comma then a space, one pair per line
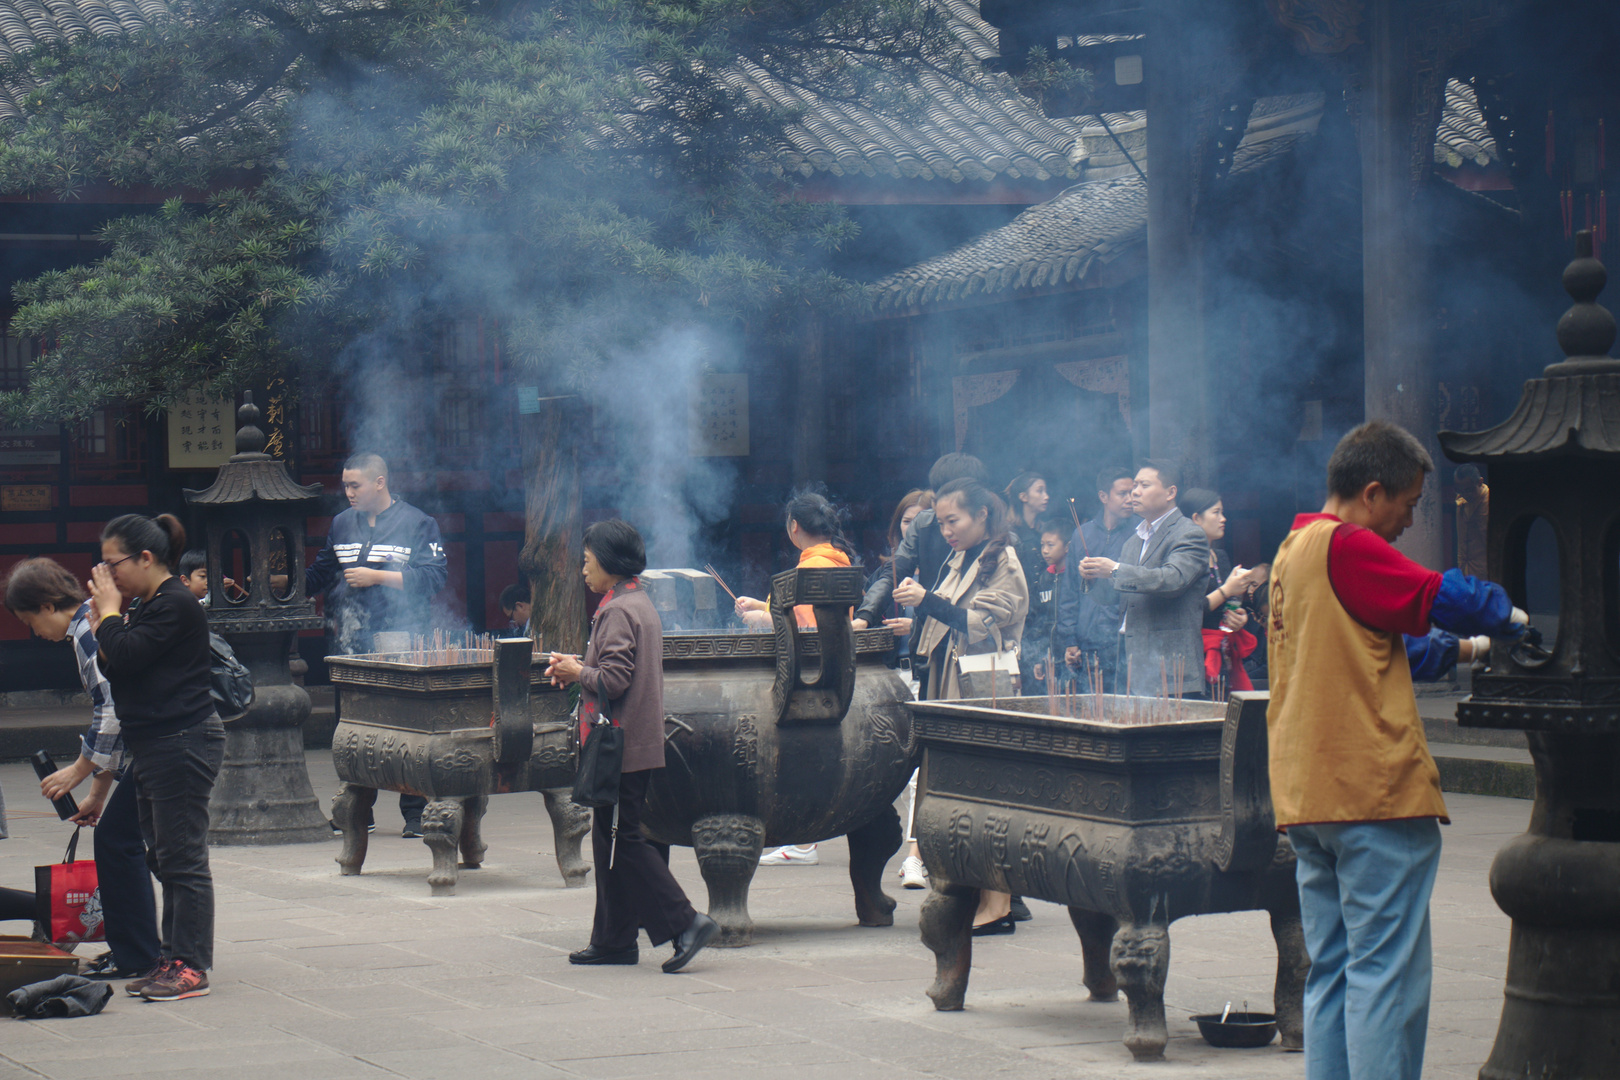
1129, 825
456, 733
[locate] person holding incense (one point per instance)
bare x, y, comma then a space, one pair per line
813, 528
977, 607
1085, 634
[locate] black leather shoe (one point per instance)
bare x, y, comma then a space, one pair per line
690, 942
1003, 925
595, 954
1019, 911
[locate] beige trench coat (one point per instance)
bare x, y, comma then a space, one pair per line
995, 619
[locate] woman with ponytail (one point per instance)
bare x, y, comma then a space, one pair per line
156, 659
812, 527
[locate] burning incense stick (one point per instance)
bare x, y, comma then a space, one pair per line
1085, 583
708, 568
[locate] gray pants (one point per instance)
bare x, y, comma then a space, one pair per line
176, 774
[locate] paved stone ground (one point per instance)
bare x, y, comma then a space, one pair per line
320, 976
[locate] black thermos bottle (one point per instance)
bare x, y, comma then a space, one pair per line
66, 807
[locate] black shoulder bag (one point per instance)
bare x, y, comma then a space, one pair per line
601, 760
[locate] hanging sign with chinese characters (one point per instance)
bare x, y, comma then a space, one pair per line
720, 416
31, 446
201, 432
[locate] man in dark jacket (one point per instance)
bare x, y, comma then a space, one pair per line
921, 555
622, 674
380, 569
1160, 573
1086, 633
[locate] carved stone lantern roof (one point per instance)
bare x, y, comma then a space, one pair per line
251, 473
1575, 409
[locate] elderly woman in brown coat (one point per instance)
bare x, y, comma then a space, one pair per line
622, 674
977, 607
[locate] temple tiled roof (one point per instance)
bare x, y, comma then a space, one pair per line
978, 127
1089, 225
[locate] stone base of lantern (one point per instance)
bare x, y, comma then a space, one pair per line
263, 794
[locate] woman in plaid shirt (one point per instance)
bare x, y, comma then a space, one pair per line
45, 596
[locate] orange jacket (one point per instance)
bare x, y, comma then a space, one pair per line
818, 555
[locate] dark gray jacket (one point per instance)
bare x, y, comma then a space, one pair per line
1164, 600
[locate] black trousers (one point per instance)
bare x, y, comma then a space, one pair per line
638, 892
16, 904
176, 774
127, 903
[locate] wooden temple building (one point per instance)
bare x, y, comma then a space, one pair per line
1267, 220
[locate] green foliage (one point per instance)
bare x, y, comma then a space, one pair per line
578, 168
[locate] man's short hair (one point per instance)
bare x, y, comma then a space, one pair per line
1106, 478
957, 467
369, 463
1467, 474
192, 561
513, 595
1377, 452
618, 548
1169, 474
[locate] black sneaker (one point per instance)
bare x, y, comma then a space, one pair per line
1003, 925
337, 830
412, 830
106, 967
1019, 910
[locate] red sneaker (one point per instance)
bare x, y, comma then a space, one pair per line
179, 981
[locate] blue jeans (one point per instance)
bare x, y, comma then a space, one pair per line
1364, 897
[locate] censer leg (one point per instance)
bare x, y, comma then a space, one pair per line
1096, 932
946, 923
441, 829
1141, 960
728, 847
351, 812
472, 831
570, 824
1293, 965
870, 848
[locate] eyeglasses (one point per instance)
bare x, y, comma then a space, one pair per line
113, 565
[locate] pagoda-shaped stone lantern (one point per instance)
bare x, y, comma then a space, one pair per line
1557, 458
255, 521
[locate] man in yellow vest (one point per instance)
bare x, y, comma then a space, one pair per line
1352, 781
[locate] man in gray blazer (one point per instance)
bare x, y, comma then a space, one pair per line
1160, 577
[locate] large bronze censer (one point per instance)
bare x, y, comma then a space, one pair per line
456, 725
788, 737
1131, 813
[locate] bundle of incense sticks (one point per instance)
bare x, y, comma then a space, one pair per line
708, 568
439, 648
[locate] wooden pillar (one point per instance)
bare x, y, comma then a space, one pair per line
810, 406
1178, 426
1399, 378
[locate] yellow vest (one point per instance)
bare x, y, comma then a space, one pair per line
1347, 743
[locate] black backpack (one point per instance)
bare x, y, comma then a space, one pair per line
228, 680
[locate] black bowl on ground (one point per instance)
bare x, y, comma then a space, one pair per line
1240, 1029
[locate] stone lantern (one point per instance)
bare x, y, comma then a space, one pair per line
1557, 458
255, 519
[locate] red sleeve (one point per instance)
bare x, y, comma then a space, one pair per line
1378, 586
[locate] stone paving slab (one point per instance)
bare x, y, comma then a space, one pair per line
321, 976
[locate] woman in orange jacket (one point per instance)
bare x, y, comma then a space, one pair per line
812, 526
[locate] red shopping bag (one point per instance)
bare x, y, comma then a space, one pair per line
67, 898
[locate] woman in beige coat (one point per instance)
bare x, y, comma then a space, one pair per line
977, 607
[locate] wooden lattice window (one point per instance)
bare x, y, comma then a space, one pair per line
16, 353
322, 444
111, 445
461, 423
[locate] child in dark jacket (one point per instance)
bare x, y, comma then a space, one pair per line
1043, 603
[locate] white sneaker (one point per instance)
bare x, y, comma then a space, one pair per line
912, 873
791, 854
